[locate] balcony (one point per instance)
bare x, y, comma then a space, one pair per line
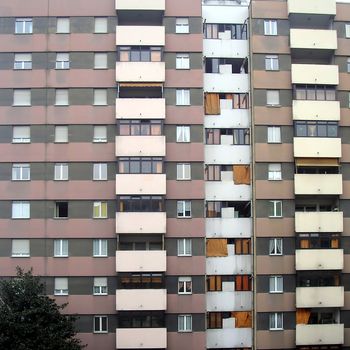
226, 190
229, 265
319, 222
319, 334
140, 184
132, 5
141, 338
140, 35
140, 108
132, 222
140, 260
314, 39
225, 48
316, 110
315, 74
140, 299
318, 184
225, 83
140, 146
227, 154
310, 297
229, 338
312, 7
229, 301
317, 147
228, 227
319, 259
140, 72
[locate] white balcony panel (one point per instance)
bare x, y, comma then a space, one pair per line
140, 71
315, 74
227, 154
226, 190
316, 110
228, 118
312, 7
318, 184
229, 338
149, 5
141, 338
140, 299
224, 14
140, 184
132, 222
140, 35
226, 82
229, 265
319, 221
309, 297
228, 227
140, 108
229, 301
317, 147
140, 260
318, 39
319, 334
140, 146
319, 259
225, 48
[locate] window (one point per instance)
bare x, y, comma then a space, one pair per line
275, 171
276, 321
184, 285
275, 246
347, 30
100, 133
273, 134
63, 25
243, 283
61, 133
61, 286
20, 172
136, 127
182, 61
314, 92
271, 62
276, 284
100, 97
272, 97
182, 97
348, 65
315, 129
182, 26
62, 97
183, 209
61, 210
141, 203
275, 209
21, 134
100, 210
100, 60
184, 323
183, 133
21, 97
24, 26
20, 248
140, 165
212, 173
100, 248
270, 27
139, 54
242, 246
220, 30
184, 247
101, 24
100, 171
241, 136
20, 210
61, 172
100, 324
183, 171
62, 60
60, 247
100, 286
23, 61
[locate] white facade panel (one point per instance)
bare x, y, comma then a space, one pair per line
226, 83
225, 48
226, 190
228, 227
227, 154
229, 118
229, 338
229, 265
229, 301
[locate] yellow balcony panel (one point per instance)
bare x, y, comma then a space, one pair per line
140, 35
140, 146
140, 72
140, 184
320, 74
310, 297
319, 334
140, 108
319, 259
317, 147
312, 7
331, 221
316, 110
138, 223
132, 5
318, 184
140, 260
140, 299
141, 338
317, 39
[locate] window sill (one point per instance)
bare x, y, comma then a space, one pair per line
20, 256
273, 106
100, 256
276, 329
184, 217
185, 331
61, 256
29, 105
20, 218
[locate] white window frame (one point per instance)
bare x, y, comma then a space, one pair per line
274, 171
100, 319
277, 208
276, 321
272, 62
270, 27
61, 172
100, 133
20, 172
20, 210
61, 133
100, 172
182, 25
183, 171
100, 286
273, 98
100, 248
61, 291
276, 246
62, 97
62, 60
183, 133
63, 25
21, 134
276, 284
100, 97
347, 30
274, 134
24, 26
60, 248
100, 60
182, 207
348, 65
184, 285
22, 61
24, 252
183, 97
182, 61
22, 97
100, 206
101, 25
184, 247
184, 323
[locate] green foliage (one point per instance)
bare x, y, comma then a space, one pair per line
30, 320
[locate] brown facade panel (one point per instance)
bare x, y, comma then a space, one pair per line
274, 152
272, 80
183, 8
266, 227
269, 115
274, 189
179, 266
183, 78
343, 12
176, 152
276, 340
275, 302
194, 303
185, 189
193, 341
183, 43
275, 264
185, 227
270, 44
184, 115
95, 341
269, 9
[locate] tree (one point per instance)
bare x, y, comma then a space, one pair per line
30, 320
